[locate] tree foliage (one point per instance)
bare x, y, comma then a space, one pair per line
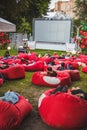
24, 27
24, 9
81, 9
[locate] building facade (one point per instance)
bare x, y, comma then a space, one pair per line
65, 6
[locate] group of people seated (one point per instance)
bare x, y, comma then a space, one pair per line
50, 72
77, 91
62, 66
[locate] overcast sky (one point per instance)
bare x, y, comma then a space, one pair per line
52, 5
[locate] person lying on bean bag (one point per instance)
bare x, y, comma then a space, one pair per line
6, 55
59, 89
10, 96
62, 66
75, 91
13, 109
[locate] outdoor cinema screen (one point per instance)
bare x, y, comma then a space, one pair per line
58, 31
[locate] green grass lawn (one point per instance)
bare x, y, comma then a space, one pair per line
30, 91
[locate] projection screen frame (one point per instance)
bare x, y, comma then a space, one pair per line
52, 34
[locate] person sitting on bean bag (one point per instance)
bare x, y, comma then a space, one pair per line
6, 55
50, 72
69, 66
52, 62
4, 65
75, 91
62, 66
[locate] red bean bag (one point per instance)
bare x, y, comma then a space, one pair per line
14, 61
55, 56
31, 56
1, 82
12, 115
23, 55
65, 78
74, 64
63, 111
57, 61
44, 80
36, 66
74, 74
7, 59
46, 59
84, 69
24, 107
13, 72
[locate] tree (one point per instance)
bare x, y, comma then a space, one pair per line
81, 9
24, 27
11, 10
36, 9
15, 11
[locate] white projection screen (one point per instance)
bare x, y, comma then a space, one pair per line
55, 31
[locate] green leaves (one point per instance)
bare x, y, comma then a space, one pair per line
27, 9
25, 26
81, 9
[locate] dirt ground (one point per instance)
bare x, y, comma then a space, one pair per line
33, 121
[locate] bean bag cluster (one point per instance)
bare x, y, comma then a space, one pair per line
40, 79
63, 110
12, 115
74, 74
